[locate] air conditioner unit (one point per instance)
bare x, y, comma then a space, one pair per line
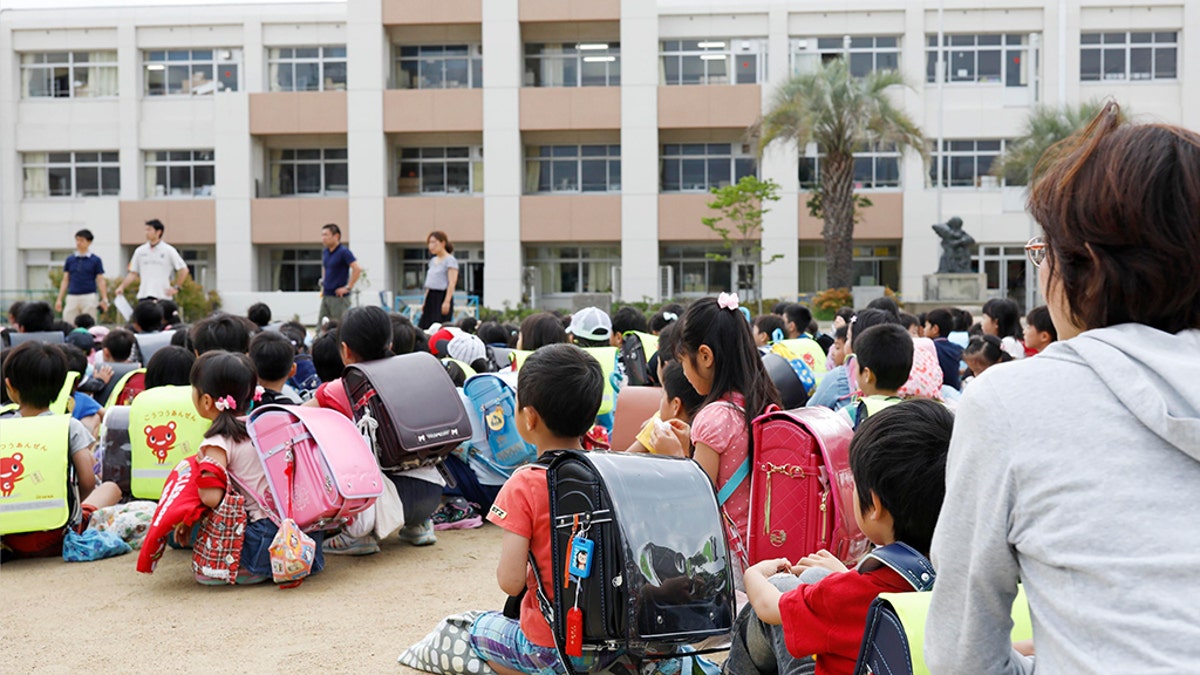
666, 283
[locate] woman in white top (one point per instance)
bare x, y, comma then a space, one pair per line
440, 280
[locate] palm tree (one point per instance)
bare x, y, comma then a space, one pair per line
843, 114
1044, 127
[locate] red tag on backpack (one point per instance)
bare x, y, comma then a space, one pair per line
574, 632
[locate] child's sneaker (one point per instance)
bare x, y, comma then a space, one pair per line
344, 544
457, 514
419, 535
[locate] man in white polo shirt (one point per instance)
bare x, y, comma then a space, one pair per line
154, 262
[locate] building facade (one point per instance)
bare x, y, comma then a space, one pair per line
566, 146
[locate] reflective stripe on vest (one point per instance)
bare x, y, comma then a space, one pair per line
607, 356
60, 404
164, 428
34, 460
809, 351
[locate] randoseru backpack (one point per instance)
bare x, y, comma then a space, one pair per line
636, 350
409, 408
494, 409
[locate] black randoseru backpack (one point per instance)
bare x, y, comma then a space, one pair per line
408, 409
661, 574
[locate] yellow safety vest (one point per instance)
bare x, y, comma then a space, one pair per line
518, 356
465, 368
607, 356
34, 461
809, 351
116, 391
61, 405
869, 405
8, 407
164, 428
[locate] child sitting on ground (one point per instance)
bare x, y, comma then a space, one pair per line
679, 402
983, 352
274, 358
818, 608
884, 356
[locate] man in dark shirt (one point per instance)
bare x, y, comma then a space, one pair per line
340, 272
83, 276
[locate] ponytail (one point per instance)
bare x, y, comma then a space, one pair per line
441, 236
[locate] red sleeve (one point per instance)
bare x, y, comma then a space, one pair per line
512, 509
828, 618
806, 619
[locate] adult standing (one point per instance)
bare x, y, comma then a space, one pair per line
83, 281
340, 272
1074, 473
440, 281
154, 262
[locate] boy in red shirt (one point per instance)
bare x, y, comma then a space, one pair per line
816, 608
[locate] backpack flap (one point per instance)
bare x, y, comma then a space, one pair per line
493, 407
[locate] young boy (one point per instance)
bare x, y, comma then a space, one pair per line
884, 355
1039, 330
118, 345
33, 377
939, 323
550, 421
818, 608
275, 360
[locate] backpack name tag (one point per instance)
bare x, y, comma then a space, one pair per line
581, 557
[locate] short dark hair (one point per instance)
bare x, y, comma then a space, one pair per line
148, 316
119, 343
798, 314
908, 321
14, 310
885, 303
333, 229
842, 333
272, 354
962, 319
36, 317
668, 343
327, 357
170, 312
220, 332
1117, 203
846, 313
86, 234
404, 334
767, 324
780, 307
469, 324
899, 453
629, 318
943, 319
84, 321
296, 332
77, 361
539, 330
260, 314
677, 386
156, 224
37, 371
867, 318
556, 368
989, 347
887, 349
60, 326
492, 333
1007, 315
367, 331
1039, 318
660, 320
170, 366
181, 337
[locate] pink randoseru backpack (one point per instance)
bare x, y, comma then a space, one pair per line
336, 472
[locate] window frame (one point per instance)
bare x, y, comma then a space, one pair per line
677, 255
473, 58
711, 153
580, 54
163, 60
1126, 48
105, 159
711, 50
277, 60
323, 161
1023, 46
550, 157
277, 260
428, 156
195, 160
610, 257
950, 154
812, 264
71, 65
874, 154
800, 47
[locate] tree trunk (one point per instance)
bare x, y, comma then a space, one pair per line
837, 202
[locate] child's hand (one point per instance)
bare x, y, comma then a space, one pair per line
183, 534
821, 558
666, 441
682, 431
1024, 647
769, 568
103, 373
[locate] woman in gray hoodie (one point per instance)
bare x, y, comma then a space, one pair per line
1076, 472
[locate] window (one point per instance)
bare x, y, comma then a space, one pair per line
876, 167
694, 273
440, 67
1128, 56
308, 68
197, 260
315, 172
714, 61
865, 54
572, 168
191, 72
295, 269
968, 164
39, 263
874, 265
69, 74
699, 167
180, 173
982, 59
439, 171
1008, 272
570, 269
414, 263
587, 64
71, 174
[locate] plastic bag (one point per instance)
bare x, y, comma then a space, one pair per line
292, 554
389, 511
92, 545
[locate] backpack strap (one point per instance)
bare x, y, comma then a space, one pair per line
905, 561
735, 481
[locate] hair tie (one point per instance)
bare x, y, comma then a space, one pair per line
225, 403
670, 316
728, 301
777, 335
258, 393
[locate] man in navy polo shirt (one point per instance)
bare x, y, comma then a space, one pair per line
340, 272
83, 281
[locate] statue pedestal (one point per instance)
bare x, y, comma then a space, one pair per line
956, 288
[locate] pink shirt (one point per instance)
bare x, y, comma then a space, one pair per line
721, 425
243, 463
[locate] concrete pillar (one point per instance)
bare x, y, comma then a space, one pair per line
639, 151
780, 162
366, 63
502, 172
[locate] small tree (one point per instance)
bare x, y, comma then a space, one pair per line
741, 206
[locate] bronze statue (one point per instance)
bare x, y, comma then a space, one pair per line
956, 247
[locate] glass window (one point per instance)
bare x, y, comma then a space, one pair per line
699, 167
69, 74
195, 72
874, 265
694, 273
982, 59
180, 173
295, 269
71, 174
439, 171
1128, 56
865, 54
439, 66
713, 61
568, 269
307, 68
583, 64
876, 167
309, 172
572, 168
968, 164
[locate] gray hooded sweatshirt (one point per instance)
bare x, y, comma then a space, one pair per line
1076, 473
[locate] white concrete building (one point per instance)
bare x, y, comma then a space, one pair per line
566, 146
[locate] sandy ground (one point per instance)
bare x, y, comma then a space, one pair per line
354, 617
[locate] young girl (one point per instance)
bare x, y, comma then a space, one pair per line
721, 361
223, 387
765, 327
1002, 318
983, 352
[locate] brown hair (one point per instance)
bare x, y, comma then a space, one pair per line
1120, 208
441, 236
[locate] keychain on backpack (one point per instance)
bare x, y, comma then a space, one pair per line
574, 645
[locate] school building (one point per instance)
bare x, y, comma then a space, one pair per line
566, 146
